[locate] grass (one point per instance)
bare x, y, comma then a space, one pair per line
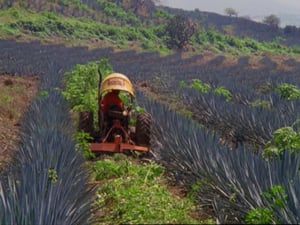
137, 193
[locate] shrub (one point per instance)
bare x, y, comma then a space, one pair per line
288, 91
224, 92
283, 138
265, 215
199, 85
81, 85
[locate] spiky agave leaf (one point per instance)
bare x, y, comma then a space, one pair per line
51, 185
244, 123
47, 183
235, 179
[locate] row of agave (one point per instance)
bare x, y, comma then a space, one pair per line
189, 152
150, 64
236, 119
231, 181
242, 122
46, 182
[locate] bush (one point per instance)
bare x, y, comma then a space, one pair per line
288, 91
199, 85
224, 92
81, 85
265, 215
283, 138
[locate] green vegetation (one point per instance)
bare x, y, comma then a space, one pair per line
202, 87
263, 215
81, 85
82, 145
261, 103
288, 91
117, 27
288, 137
236, 45
5, 99
199, 86
52, 174
284, 138
47, 25
135, 192
224, 92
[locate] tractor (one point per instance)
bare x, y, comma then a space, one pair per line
121, 129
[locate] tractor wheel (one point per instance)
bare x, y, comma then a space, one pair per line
86, 122
143, 129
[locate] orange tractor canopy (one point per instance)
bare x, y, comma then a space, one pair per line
120, 127
116, 81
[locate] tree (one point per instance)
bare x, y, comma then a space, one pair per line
290, 29
272, 21
231, 12
179, 30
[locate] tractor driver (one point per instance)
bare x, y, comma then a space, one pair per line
111, 101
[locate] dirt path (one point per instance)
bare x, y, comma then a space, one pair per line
15, 96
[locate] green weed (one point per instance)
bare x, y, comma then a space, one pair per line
288, 91
277, 198
261, 103
81, 85
224, 92
199, 86
137, 193
82, 144
52, 174
283, 138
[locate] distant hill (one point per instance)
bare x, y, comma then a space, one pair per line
285, 19
242, 27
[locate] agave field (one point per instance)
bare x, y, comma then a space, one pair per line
47, 182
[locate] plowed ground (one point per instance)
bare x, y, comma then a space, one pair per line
15, 96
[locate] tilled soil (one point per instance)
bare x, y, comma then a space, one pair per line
15, 96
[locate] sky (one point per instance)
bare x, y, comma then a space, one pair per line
250, 8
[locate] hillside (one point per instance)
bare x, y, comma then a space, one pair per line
214, 112
242, 27
136, 25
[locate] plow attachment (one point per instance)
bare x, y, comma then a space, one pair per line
116, 146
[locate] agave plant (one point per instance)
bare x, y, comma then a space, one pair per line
47, 182
232, 180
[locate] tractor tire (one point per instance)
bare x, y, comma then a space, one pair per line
143, 129
86, 122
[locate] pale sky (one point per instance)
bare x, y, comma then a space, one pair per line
250, 8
